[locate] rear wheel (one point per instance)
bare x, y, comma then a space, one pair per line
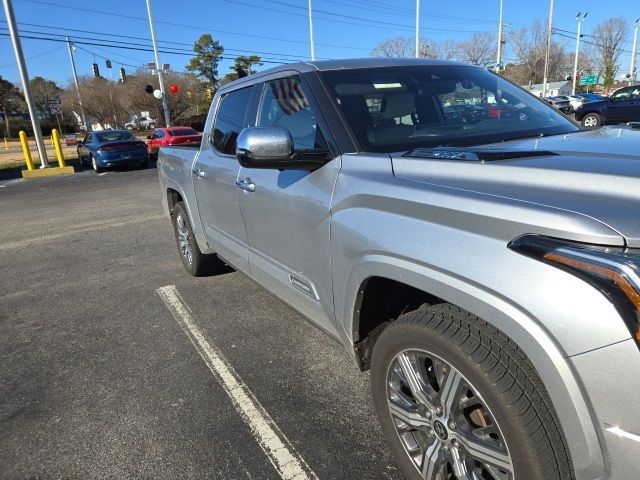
459, 401
592, 120
94, 164
194, 261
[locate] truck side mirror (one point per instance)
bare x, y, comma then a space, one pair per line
272, 147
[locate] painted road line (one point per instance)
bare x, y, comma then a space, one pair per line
282, 455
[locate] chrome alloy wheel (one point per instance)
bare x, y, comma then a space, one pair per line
443, 423
94, 163
590, 121
183, 239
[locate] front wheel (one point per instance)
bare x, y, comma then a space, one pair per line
458, 401
592, 120
194, 261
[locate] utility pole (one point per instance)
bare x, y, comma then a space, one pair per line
113, 107
632, 71
580, 17
24, 77
417, 28
499, 55
548, 53
75, 80
165, 105
313, 49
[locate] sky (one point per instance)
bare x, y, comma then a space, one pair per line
277, 30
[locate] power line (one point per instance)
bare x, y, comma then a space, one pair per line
118, 43
46, 52
65, 29
127, 47
379, 24
191, 27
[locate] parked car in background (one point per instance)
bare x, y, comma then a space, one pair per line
486, 272
163, 137
560, 103
141, 123
621, 107
110, 148
591, 97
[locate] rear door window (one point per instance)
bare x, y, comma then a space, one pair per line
230, 120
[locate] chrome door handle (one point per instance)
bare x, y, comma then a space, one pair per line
199, 173
246, 185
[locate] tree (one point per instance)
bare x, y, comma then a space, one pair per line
96, 100
241, 63
10, 100
478, 50
394, 47
181, 105
530, 46
609, 38
43, 90
205, 62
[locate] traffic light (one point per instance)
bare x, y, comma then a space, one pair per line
123, 75
96, 70
108, 63
209, 93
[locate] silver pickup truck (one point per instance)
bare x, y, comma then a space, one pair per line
467, 243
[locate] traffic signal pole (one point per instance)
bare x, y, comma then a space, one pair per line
75, 80
165, 105
24, 77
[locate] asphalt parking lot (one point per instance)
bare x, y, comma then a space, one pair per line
100, 378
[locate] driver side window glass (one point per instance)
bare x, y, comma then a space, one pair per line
159, 134
230, 120
285, 102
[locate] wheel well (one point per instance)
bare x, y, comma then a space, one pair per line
381, 301
173, 197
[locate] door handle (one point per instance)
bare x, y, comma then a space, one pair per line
246, 185
199, 173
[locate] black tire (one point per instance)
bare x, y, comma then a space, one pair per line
500, 373
592, 120
144, 164
198, 263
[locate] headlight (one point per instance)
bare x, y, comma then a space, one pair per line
613, 271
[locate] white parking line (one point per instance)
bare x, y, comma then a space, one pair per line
286, 460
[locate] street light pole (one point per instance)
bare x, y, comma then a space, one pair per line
417, 28
75, 80
548, 52
580, 17
499, 55
24, 77
313, 48
165, 105
632, 70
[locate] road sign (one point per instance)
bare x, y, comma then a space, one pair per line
54, 101
55, 109
589, 79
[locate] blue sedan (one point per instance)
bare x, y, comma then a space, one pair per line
110, 148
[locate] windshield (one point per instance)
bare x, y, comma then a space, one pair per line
401, 108
114, 136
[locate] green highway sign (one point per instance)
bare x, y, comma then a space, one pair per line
589, 79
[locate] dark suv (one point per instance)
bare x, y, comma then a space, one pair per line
623, 106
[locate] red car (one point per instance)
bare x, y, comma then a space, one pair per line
163, 137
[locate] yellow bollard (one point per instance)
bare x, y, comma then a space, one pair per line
55, 137
25, 150
6, 145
